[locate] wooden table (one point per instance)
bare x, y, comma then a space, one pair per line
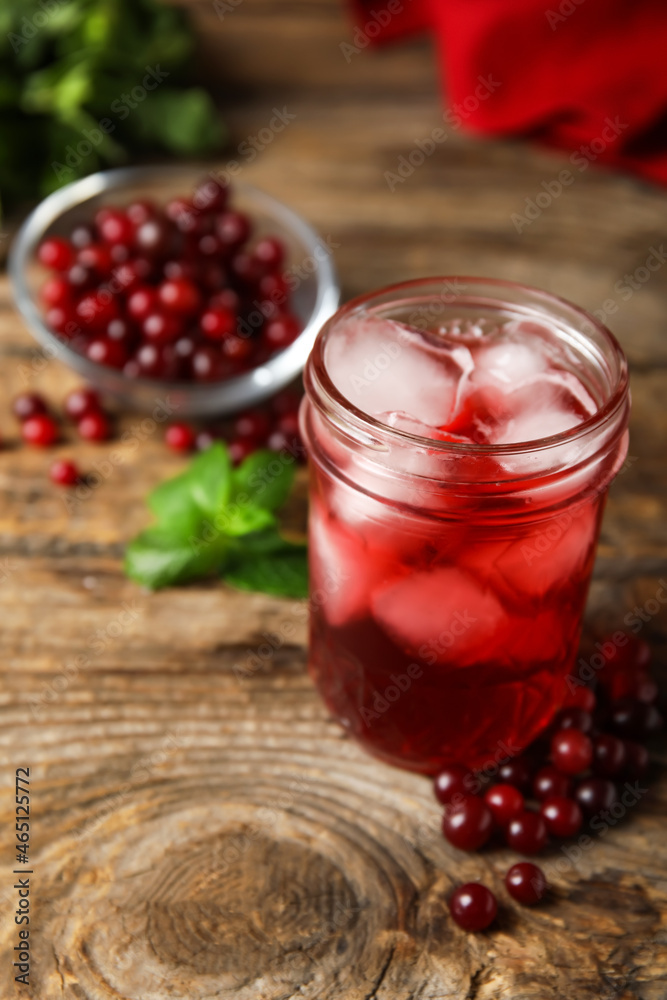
201, 828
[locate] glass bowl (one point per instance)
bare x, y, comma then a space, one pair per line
314, 299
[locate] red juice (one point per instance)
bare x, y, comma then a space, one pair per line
461, 447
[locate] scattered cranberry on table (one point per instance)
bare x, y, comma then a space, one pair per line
526, 883
562, 816
64, 473
162, 274
180, 437
468, 824
473, 906
505, 802
450, 782
571, 751
28, 404
526, 833
40, 430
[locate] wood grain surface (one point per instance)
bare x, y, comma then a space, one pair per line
201, 828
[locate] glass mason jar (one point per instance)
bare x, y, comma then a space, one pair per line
448, 579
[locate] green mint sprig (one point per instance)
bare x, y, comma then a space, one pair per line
214, 518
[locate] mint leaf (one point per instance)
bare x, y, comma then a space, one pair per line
283, 571
200, 492
266, 478
159, 558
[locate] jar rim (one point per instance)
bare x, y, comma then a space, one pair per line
336, 402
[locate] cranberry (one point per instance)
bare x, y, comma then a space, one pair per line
288, 423
581, 697
549, 782
516, 772
233, 228
453, 780
288, 401
142, 302
571, 751
468, 824
120, 331
505, 802
64, 473
61, 319
562, 816
595, 794
80, 278
210, 195
180, 295
608, 755
270, 252
634, 719
635, 654
206, 364
96, 257
636, 759
97, 309
526, 833
181, 212
161, 328
253, 424
153, 237
217, 323
81, 236
573, 718
473, 906
40, 430
281, 332
174, 270
245, 269
180, 437
94, 427
205, 439
56, 253
28, 404
526, 883
240, 448
274, 288
104, 351
227, 298
237, 348
80, 402
56, 291
115, 227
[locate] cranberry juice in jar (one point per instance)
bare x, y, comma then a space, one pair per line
462, 434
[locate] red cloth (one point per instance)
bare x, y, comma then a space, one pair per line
561, 71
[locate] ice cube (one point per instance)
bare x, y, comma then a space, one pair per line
381, 366
549, 404
441, 616
507, 364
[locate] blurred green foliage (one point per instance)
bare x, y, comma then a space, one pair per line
66, 66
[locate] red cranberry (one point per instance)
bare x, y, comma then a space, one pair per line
281, 332
180, 295
270, 252
81, 236
573, 718
233, 228
206, 364
94, 427
526, 833
635, 654
61, 319
141, 211
526, 883
80, 402
180, 437
516, 772
505, 802
209, 245
142, 302
56, 254
120, 331
595, 794
153, 237
56, 291
453, 780
608, 755
107, 352
253, 424
549, 782
40, 430
174, 270
246, 270
274, 288
288, 423
64, 473
97, 309
288, 401
240, 448
80, 278
210, 195
96, 257
634, 719
562, 816
473, 906
468, 824
119, 253
205, 439
581, 697
237, 348
636, 759
571, 751
183, 214
217, 323
161, 327
227, 298
114, 226
28, 404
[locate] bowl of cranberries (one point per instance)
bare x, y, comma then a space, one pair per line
155, 281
